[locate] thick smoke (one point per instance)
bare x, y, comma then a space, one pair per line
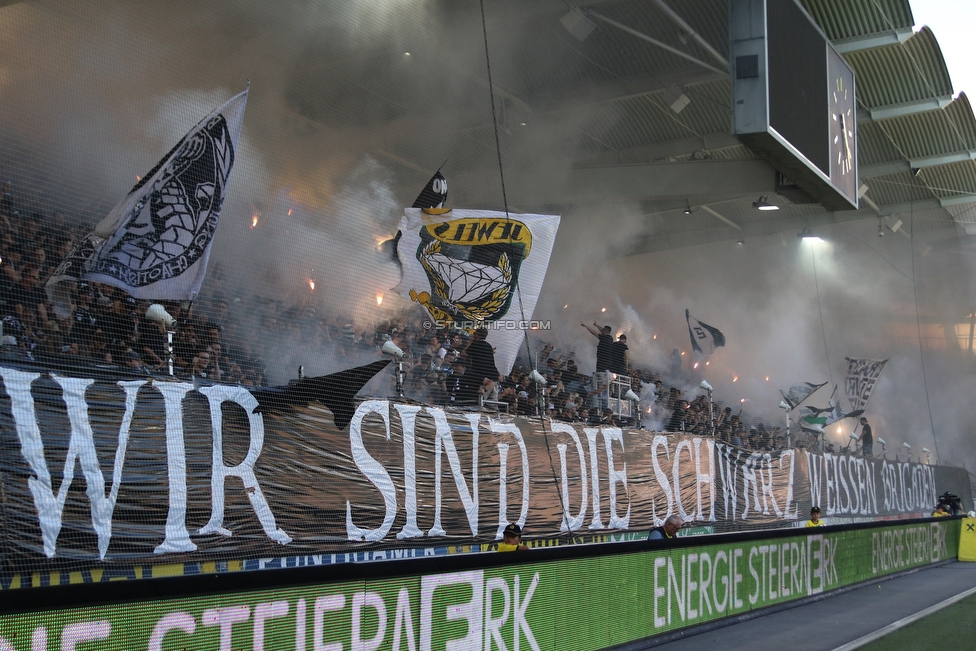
94, 94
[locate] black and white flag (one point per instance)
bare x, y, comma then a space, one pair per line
155, 243
704, 338
434, 194
862, 376
799, 392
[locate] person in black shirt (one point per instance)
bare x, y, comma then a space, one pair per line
867, 438
618, 355
481, 359
462, 390
679, 419
604, 346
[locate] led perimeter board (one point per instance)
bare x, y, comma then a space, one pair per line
793, 99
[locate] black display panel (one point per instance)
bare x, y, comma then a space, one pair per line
797, 79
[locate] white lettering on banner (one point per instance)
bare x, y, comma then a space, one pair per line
521, 625
659, 590
502, 489
177, 538
614, 476
402, 622
368, 600
721, 604
766, 471
81, 446
510, 428
726, 467
373, 470
662, 479
263, 612
325, 604
706, 478
216, 396
757, 584
814, 469
78, 633
472, 611
225, 618
591, 434
749, 480
676, 476
571, 523
408, 416
789, 488
182, 621
493, 625
894, 549
830, 480
444, 439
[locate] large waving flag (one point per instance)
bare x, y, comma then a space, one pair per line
155, 243
704, 338
477, 268
862, 376
830, 414
800, 392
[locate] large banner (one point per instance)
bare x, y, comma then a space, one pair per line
477, 268
145, 470
582, 604
156, 242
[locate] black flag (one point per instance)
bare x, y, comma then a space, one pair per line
434, 194
335, 391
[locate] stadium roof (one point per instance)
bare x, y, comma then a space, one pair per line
599, 105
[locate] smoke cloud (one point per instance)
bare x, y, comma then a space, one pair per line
95, 94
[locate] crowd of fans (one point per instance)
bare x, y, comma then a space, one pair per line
228, 335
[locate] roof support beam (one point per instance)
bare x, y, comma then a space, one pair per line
894, 167
680, 22
908, 108
957, 200
874, 40
653, 41
711, 211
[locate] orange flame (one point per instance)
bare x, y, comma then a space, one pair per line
289, 212
735, 378
311, 284
695, 366
254, 220
138, 178
379, 299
